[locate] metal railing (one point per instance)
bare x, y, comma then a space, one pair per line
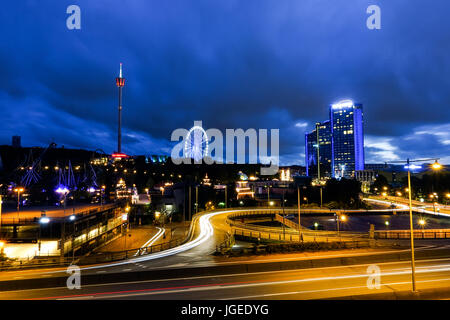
280, 237
418, 234
278, 230
28, 221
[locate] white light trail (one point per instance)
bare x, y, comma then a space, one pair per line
152, 240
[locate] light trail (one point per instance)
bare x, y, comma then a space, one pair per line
254, 283
152, 240
405, 207
206, 231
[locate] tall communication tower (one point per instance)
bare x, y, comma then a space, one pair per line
120, 82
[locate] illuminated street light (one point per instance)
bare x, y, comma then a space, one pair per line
18, 191
44, 220
409, 167
386, 223
343, 218
436, 165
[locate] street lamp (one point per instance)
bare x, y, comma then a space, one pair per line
18, 191
102, 190
408, 166
436, 165
422, 223
64, 191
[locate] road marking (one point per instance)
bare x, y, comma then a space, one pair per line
238, 274
331, 289
229, 285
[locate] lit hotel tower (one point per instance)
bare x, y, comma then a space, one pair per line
120, 82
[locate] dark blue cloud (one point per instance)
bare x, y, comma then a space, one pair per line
231, 64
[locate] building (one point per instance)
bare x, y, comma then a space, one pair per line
367, 177
16, 143
347, 133
337, 142
320, 136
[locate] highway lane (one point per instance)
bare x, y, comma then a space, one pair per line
208, 231
317, 283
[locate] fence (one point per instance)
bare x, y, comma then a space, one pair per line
267, 237
418, 234
293, 230
29, 221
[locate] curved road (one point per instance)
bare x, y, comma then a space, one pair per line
209, 229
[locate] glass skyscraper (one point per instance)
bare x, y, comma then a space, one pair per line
323, 140
340, 141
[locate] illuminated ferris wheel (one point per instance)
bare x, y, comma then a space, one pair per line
196, 143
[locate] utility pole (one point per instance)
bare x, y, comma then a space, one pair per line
196, 199
1, 204
413, 262
226, 196
318, 162
284, 227
190, 203
300, 235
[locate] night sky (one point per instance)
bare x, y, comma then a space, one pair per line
230, 63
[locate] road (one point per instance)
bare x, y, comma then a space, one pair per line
209, 230
316, 283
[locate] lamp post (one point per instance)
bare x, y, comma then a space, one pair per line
226, 196
422, 223
300, 235
64, 191
18, 191
102, 190
1, 203
284, 232
268, 194
435, 166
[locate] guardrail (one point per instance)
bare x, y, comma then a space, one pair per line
291, 231
267, 236
418, 234
27, 221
